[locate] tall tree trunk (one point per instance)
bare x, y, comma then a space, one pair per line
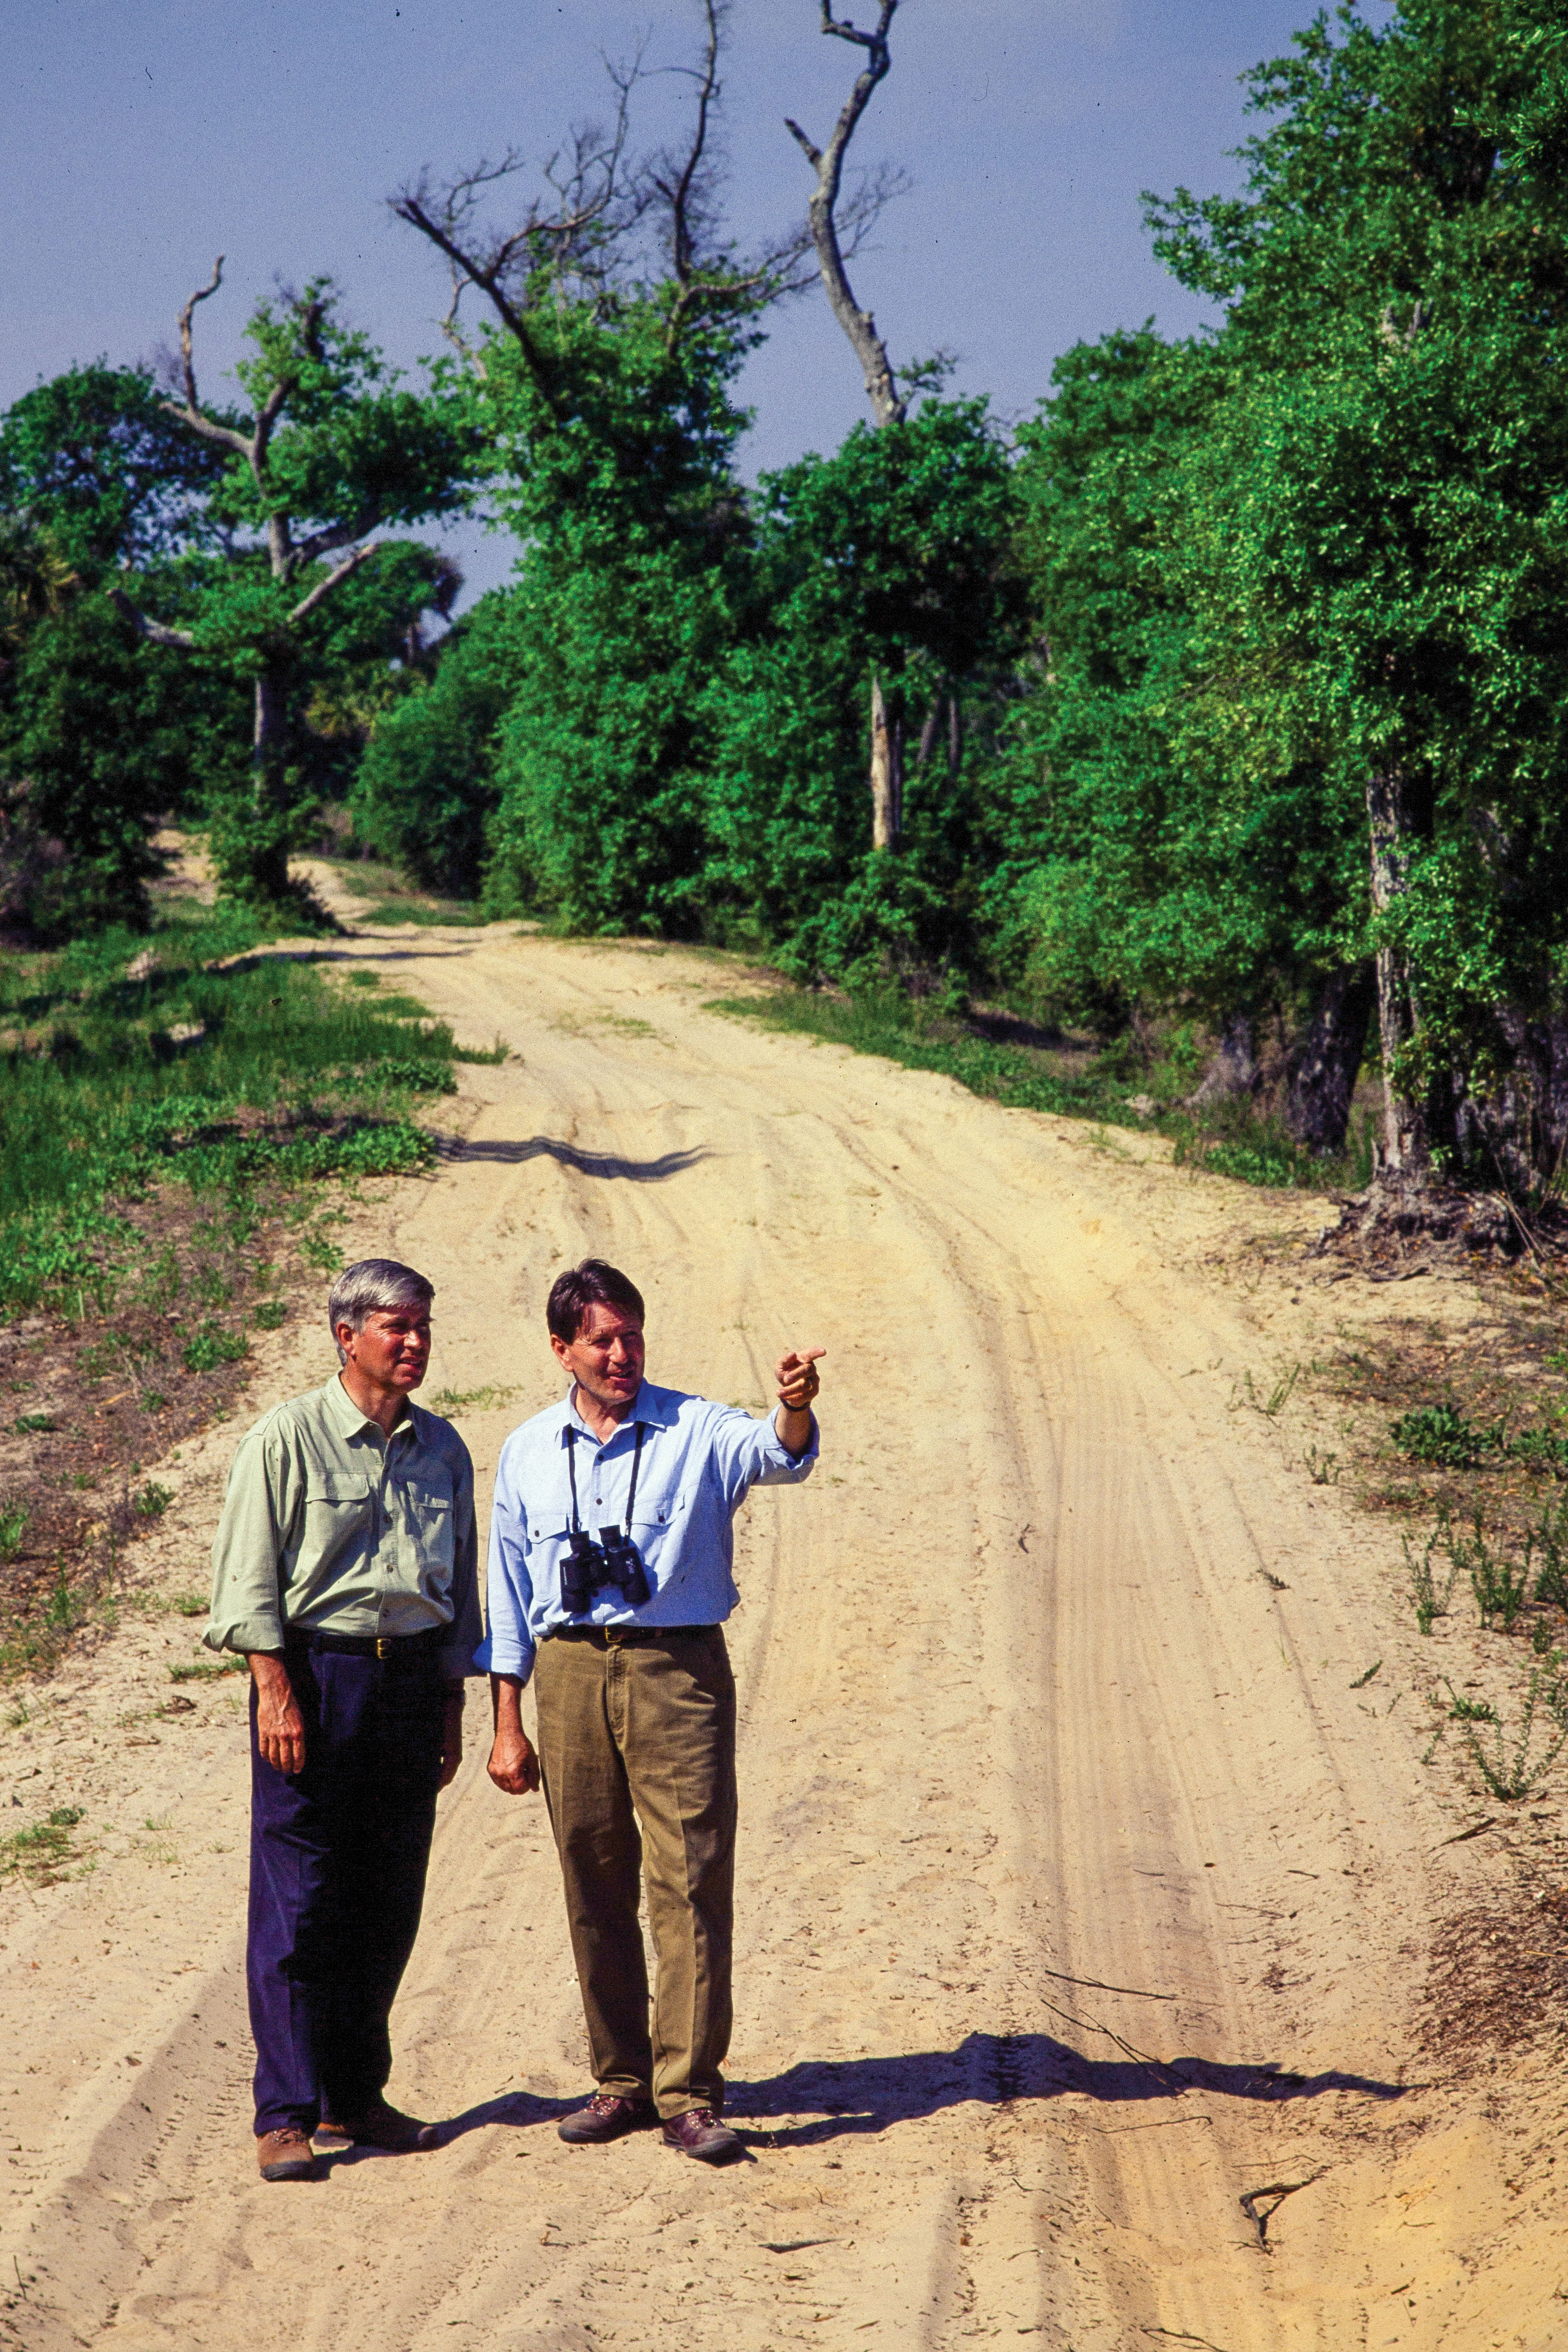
929, 732
954, 735
1329, 1059
887, 792
269, 862
1406, 1146
1234, 1070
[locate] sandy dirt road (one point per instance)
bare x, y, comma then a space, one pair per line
1079, 1894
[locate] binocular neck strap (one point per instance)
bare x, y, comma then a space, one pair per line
571, 1475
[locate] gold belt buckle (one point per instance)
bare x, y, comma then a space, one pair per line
383, 1646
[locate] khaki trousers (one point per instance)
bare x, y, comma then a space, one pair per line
637, 1734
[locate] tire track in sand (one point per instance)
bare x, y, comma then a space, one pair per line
1019, 1711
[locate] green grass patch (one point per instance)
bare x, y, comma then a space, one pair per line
457, 912
451, 1402
208, 1670
885, 1023
41, 1850
133, 1061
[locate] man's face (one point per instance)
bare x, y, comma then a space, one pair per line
393, 1350
606, 1359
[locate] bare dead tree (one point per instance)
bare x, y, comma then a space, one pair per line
888, 408
608, 221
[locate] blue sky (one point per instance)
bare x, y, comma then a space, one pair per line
142, 137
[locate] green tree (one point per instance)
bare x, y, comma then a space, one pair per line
94, 749
329, 451
890, 559
602, 382
1380, 559
426, 788
94, 462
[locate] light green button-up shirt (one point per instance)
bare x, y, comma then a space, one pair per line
331, 1525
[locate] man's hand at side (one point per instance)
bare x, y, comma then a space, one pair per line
451, 1736
513, 1766
798, 1383
279, 1726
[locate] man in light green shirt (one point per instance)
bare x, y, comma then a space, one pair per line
345, 1570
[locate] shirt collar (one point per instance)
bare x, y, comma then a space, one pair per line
654, 1407
343, 1410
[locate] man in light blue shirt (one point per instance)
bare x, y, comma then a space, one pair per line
610, 1579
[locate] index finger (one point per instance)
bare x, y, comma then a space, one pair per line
804, 1355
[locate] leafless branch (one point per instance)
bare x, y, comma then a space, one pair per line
595, 209
189, 411
323, 542
155, 632
606, 208
323, 588
188, 362
827, 163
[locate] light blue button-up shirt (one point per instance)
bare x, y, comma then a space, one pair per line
699, 1461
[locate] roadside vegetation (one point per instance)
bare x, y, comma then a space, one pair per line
184, 1117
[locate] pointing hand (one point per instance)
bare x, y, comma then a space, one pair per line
797, 1378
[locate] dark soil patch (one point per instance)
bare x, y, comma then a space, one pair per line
87, 1405
1508, 1375
1497, 1977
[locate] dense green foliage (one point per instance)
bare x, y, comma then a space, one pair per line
424, 791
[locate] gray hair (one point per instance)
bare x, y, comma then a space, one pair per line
375, 1282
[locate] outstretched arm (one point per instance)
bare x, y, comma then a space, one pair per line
798, 1383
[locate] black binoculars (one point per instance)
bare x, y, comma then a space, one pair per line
614, 1560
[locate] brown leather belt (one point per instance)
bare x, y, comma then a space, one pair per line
397, 1646
616, 1637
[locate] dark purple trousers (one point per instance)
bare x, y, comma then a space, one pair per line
337, 1857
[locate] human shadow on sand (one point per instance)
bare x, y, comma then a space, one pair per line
827, 2099
585, 1163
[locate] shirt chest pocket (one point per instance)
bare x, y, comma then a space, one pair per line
659, 1510
432, 1520
339, 1512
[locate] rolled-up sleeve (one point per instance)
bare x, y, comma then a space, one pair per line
748, 1452
252, 1535
508, 1647
459, 1657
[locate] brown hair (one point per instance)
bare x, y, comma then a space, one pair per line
594, 1283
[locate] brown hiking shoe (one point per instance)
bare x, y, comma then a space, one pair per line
607, 2116
331, 2138
700, 2133
285, 2155
384, 2127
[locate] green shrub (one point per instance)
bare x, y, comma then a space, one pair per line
1440, 1435
213, 1346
